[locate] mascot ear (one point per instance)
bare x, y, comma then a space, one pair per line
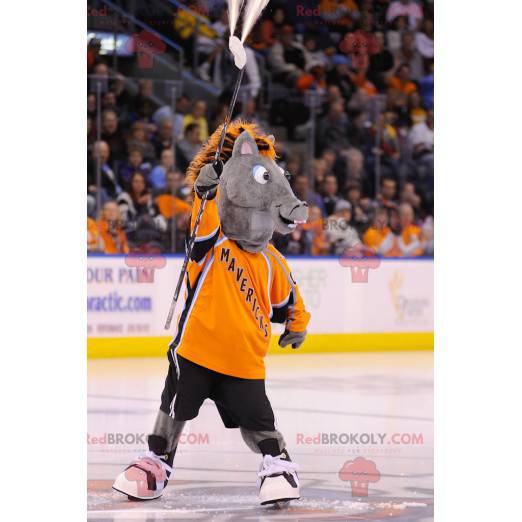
244, 144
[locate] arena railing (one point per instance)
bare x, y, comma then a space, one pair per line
178, 50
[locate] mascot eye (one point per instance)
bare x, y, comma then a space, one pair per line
261, 175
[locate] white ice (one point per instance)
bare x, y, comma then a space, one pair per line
320, 400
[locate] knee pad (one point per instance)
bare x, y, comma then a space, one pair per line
253, 439
168, 428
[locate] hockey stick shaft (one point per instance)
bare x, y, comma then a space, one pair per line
188, 253
195, 228
229, 114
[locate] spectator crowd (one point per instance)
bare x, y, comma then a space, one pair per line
369, 186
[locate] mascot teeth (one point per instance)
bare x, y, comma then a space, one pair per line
287, 221
291, 223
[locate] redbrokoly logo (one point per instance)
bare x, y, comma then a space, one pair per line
146, 44
359, 473
145, 264
360, 261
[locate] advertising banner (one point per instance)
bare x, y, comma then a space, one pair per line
129, 297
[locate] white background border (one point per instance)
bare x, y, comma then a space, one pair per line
477, 278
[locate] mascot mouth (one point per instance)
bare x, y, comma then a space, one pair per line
290, 223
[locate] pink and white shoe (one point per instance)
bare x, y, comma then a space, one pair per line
145, 478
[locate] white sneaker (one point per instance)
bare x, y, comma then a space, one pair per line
278, 481
145, 478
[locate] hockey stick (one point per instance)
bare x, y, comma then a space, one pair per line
217, 168
253, 11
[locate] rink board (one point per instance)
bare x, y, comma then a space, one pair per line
385, 305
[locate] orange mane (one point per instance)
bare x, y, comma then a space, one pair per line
207, 152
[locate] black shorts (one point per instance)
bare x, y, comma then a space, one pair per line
240, 402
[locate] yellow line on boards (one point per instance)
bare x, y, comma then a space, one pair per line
99, 347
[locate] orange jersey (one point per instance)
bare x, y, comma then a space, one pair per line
410, 241
380, 240
328, 8
232, 297
320, 244
404, 87
169, 205
94, 240
115, 241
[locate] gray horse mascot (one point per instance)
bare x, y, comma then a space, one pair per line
237, 284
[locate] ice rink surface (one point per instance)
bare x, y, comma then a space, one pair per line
332, 409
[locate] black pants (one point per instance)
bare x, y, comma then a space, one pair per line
240, 402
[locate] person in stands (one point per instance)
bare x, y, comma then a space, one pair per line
110, 228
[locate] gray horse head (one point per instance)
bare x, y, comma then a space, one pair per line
256, 198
